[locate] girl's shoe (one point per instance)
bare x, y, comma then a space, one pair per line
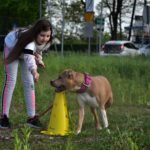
4, 122
34, 122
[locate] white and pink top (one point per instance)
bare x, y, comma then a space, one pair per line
32, 52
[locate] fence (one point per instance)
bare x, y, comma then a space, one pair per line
75, 48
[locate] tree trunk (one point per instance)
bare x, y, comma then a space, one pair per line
116, 10
115, 25
131, 24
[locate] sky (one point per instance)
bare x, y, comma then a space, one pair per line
138, 11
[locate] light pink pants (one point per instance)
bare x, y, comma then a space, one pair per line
10, 73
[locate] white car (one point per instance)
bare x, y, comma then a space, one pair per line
145, 50
119, 48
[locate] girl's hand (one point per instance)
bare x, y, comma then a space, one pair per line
35, 75
38, 59
41, 64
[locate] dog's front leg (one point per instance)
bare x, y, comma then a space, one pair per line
80, 119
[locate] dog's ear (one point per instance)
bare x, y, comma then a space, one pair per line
70, 74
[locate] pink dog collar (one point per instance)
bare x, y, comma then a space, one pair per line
86, 84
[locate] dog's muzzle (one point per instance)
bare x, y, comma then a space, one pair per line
57, 88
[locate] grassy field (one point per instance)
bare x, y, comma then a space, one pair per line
129, 116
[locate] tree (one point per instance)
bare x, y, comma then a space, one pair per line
116, 11
115, 8
18, 13
131, 23
73, 18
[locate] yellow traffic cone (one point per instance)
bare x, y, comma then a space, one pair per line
59, 122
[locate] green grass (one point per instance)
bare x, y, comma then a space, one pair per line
128, 117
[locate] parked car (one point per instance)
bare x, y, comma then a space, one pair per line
145, 50
119, 48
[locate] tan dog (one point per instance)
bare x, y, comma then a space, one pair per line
94, 91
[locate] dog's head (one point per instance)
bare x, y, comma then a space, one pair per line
67, 80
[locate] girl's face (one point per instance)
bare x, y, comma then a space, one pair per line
43, 37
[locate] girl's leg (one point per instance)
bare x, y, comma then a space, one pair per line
10, 73
29, 91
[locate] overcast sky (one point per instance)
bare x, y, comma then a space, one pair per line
138, 11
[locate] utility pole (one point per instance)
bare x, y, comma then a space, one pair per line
49, 6
40, 9
63, 25
100, 30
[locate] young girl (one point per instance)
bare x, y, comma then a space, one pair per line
24, 47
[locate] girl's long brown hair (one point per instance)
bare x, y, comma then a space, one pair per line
28, 36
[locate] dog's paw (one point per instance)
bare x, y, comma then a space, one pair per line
78, 132
107, 130
99, 128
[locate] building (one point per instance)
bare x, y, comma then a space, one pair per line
141, 27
